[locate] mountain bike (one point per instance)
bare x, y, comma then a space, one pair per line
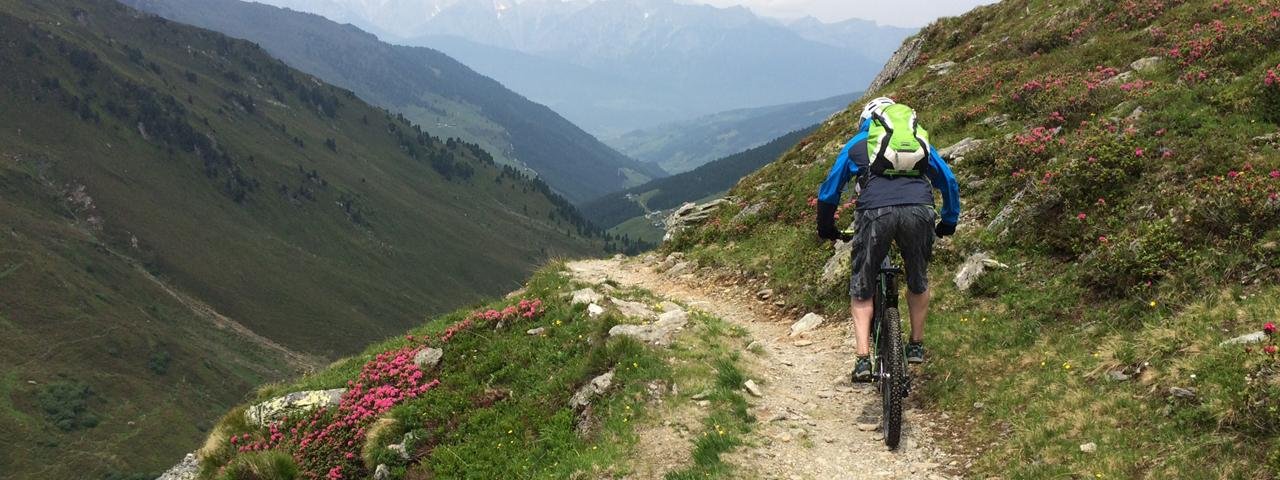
888, 355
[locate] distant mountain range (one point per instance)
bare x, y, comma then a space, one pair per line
638, 212
685, 145
635, 63
185, 218
431, 89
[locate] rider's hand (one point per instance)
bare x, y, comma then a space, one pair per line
827, 221
945, 229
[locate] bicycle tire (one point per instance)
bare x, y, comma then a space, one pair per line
895, 367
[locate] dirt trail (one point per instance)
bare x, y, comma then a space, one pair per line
812, 423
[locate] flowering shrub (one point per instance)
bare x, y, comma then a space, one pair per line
1239, 204
1270, 94
326, 444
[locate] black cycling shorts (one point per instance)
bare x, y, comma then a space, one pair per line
908, 226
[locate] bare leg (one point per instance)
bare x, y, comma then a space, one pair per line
861, 310
918, 303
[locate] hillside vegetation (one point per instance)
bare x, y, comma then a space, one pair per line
185, 217
504, 399
636, 204
1129, 177
427, 87
688, 144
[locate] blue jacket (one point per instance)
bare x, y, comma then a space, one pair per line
878, 191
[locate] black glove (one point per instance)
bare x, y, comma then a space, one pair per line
827, 221
943, 229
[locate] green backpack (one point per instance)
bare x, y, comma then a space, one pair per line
897, 146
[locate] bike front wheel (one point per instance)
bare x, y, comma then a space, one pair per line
893, 377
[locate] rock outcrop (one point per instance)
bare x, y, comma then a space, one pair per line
901, 61
271, 410
690, 214
658, 333
973, 268
187, 469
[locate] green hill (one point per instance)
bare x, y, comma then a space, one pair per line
631, 206
1129, 178
429, 88
185, 217
685, 145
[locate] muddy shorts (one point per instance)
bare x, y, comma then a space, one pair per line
910, 227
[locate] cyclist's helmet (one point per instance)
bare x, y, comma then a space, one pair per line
875, 106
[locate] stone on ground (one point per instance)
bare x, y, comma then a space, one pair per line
592, 389
973, 268
752, 388
428, 358
1254, 337
187, 469
586, 295
808, 322
633, 309
1145, 63
1089, 447
836, 269
659, 332
271, 410
382, 472
594, 310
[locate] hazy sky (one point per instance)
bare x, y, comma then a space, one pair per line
903, 13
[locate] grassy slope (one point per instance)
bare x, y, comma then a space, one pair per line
682, 146
501, 408
427, 86
319, 249
1125, 258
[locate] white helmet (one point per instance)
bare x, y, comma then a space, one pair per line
875, 106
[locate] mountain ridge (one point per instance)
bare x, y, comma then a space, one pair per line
428, 87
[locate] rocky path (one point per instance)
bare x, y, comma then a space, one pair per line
812, 423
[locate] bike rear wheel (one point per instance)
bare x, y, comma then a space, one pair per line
893, 376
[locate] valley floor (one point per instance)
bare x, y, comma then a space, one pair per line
811, 423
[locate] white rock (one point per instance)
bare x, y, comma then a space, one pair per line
972, 269
659, 332
187, 469
1145, 63
586, 295
752, 388
681, 269
1254, 337
836, 270
1089, 447
428, 358
959, 149
632, 309
594, 310
381, 472
808, 322
536, 331
595, 387
266, 412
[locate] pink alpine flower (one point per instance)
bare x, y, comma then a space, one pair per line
1270, 349
1269, 328
1081, 216
1138, 152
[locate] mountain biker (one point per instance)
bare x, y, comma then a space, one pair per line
895, 168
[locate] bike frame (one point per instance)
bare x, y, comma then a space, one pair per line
884, 297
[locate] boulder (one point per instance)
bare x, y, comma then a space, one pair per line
941, 68
585, 295
901, 61
691, 214
973, 268
588, 392
428, 358
808, 322
959, 149
536, 331
836, 269
1145, 63
187, 469
633, 309
266, 412
1254, 337
751, 211
594, 310
1123, 77
669, 306
658, 333
681, 269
